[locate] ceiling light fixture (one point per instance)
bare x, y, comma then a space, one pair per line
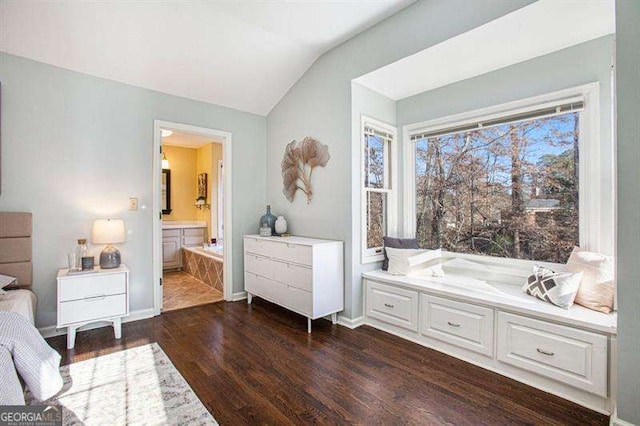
166, 133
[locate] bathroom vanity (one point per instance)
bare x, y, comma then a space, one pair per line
178, 234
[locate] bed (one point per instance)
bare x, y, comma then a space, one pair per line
15, 261
24, 353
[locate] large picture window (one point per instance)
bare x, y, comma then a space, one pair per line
502, 185
377, 187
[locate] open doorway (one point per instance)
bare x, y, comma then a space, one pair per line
192, 260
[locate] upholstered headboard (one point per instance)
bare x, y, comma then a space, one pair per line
15, 247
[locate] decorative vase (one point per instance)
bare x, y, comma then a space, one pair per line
269, 220
281, 225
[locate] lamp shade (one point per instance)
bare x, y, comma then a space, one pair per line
108, 231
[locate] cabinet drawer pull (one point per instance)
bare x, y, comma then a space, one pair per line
388, 305
543, 352
453, 324
94, 297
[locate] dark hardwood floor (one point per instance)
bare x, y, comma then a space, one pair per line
257, 365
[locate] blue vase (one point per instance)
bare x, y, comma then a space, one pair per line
269, 220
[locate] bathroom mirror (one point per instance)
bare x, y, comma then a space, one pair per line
165, 197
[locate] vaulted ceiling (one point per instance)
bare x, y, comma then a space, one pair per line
244, 54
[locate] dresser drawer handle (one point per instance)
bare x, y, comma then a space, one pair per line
94, 297
388, 305
543, 352
453, 324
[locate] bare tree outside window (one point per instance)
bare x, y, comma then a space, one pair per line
376, 185
509, 190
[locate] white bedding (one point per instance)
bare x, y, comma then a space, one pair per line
34, 360
20, 301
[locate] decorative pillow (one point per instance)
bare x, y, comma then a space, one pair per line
408, 261
6, 280
596, 289
397, 243
558, 288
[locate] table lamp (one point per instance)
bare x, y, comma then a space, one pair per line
108, 231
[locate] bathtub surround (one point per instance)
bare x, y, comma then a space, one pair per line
203, 266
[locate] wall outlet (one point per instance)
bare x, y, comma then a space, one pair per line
133, 203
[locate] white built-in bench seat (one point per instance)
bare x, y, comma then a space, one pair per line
514, 300
482, 316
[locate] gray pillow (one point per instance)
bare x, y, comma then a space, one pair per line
397, 243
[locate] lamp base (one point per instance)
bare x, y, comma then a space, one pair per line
110, 258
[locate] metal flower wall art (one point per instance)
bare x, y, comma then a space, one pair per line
298, 162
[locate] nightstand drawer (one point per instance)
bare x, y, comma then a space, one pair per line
92, 308
93, 285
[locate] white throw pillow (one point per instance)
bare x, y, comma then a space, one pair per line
6, 280
406, 261
557, 288
596, 289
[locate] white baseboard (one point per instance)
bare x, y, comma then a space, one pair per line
615, 421
241, 295
51, 331
350, 323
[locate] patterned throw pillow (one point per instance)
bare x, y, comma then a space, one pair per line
558, 288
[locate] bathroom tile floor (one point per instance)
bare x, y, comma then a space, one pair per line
181, 290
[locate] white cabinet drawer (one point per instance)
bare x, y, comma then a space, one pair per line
288, 296
259, 265
297, 300
294, 275
92, 309
259, 246
261, 286
460, 324
294, 253
575, 357
192, 240
81, 287
193, 232
167, 233
393, 305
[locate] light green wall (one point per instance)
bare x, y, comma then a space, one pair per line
319, 105
372, 104
628, 130
75, 147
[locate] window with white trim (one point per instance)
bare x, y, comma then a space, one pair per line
378, 197
509, 183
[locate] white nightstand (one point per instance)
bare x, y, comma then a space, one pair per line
102, 295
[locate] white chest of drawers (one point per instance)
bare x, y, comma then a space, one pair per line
304, 275
98, 296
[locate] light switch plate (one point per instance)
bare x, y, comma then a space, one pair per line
133, 203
